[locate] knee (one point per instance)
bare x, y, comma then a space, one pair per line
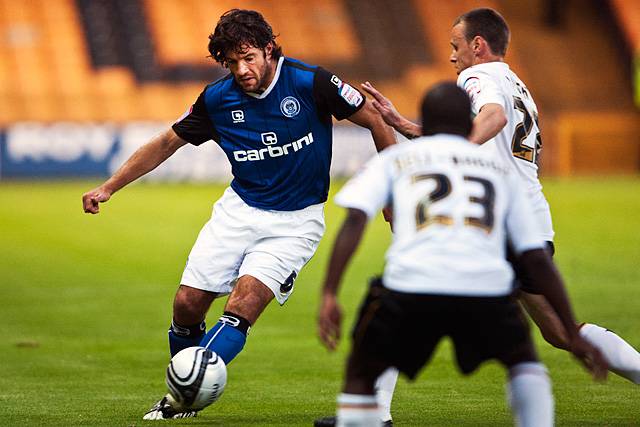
249, 298
190, 305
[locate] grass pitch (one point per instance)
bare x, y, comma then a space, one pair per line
86, 302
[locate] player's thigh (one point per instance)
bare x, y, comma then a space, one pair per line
288, 240
219, 250
490, 328
392, 329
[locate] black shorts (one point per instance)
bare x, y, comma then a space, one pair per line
402, 330
522, 280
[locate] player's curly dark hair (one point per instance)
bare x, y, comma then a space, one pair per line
238, 28
488, 24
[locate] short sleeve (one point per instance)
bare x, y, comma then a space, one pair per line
195, 125
369, 190
334, 96
522, 229
481, 88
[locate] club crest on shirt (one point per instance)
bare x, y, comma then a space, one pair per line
290, 106
351, 95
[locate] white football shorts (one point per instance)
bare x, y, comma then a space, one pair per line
542, 213
271, 246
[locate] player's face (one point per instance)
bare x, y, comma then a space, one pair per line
252, 68
462, 52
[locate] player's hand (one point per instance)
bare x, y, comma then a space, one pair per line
383, 105
329, 321
590, 357
91, 199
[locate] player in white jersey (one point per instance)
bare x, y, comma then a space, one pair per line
506, 121
455, 206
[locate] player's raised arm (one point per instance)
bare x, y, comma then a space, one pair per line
390, 115
141, 162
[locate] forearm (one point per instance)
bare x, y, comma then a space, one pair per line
343, 249
144, 160
407, 128
369, 118
488, 123
383, 135
543, 273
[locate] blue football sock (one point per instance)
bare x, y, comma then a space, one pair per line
181, 337
227, 337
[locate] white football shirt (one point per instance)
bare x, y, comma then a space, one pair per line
518, 143
454, 206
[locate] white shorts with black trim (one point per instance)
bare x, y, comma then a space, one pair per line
239, 240
542, 213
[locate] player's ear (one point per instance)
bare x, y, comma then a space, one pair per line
268, 51
477, 43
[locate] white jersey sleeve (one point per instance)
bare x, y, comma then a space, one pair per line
521, 226
482, 89
369, 190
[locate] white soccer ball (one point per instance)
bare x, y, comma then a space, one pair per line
196, 378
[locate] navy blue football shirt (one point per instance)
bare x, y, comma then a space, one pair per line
278, 142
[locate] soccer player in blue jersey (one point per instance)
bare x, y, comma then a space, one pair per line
272, 116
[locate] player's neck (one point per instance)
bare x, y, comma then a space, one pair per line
268, 77
488, 58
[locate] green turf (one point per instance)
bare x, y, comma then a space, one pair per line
85, 305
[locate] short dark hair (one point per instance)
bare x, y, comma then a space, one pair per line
488, 24
446, 109
238, 28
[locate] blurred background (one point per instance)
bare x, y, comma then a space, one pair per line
85, 82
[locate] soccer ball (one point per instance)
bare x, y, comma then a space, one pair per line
196, 378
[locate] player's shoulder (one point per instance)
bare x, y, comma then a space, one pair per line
224, 83
299, 73
492, 70
296, 64
427, 144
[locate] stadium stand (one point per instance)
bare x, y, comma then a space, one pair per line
627, 13
135, 60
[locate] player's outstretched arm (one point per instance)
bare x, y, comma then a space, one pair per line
538, 265
330, 315
488, 123
143, 161
370, 118
390, 115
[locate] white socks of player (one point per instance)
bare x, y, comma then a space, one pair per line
385, 385
358, 410
623, 359
529, 395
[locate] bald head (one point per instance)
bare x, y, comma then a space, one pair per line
446, 109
